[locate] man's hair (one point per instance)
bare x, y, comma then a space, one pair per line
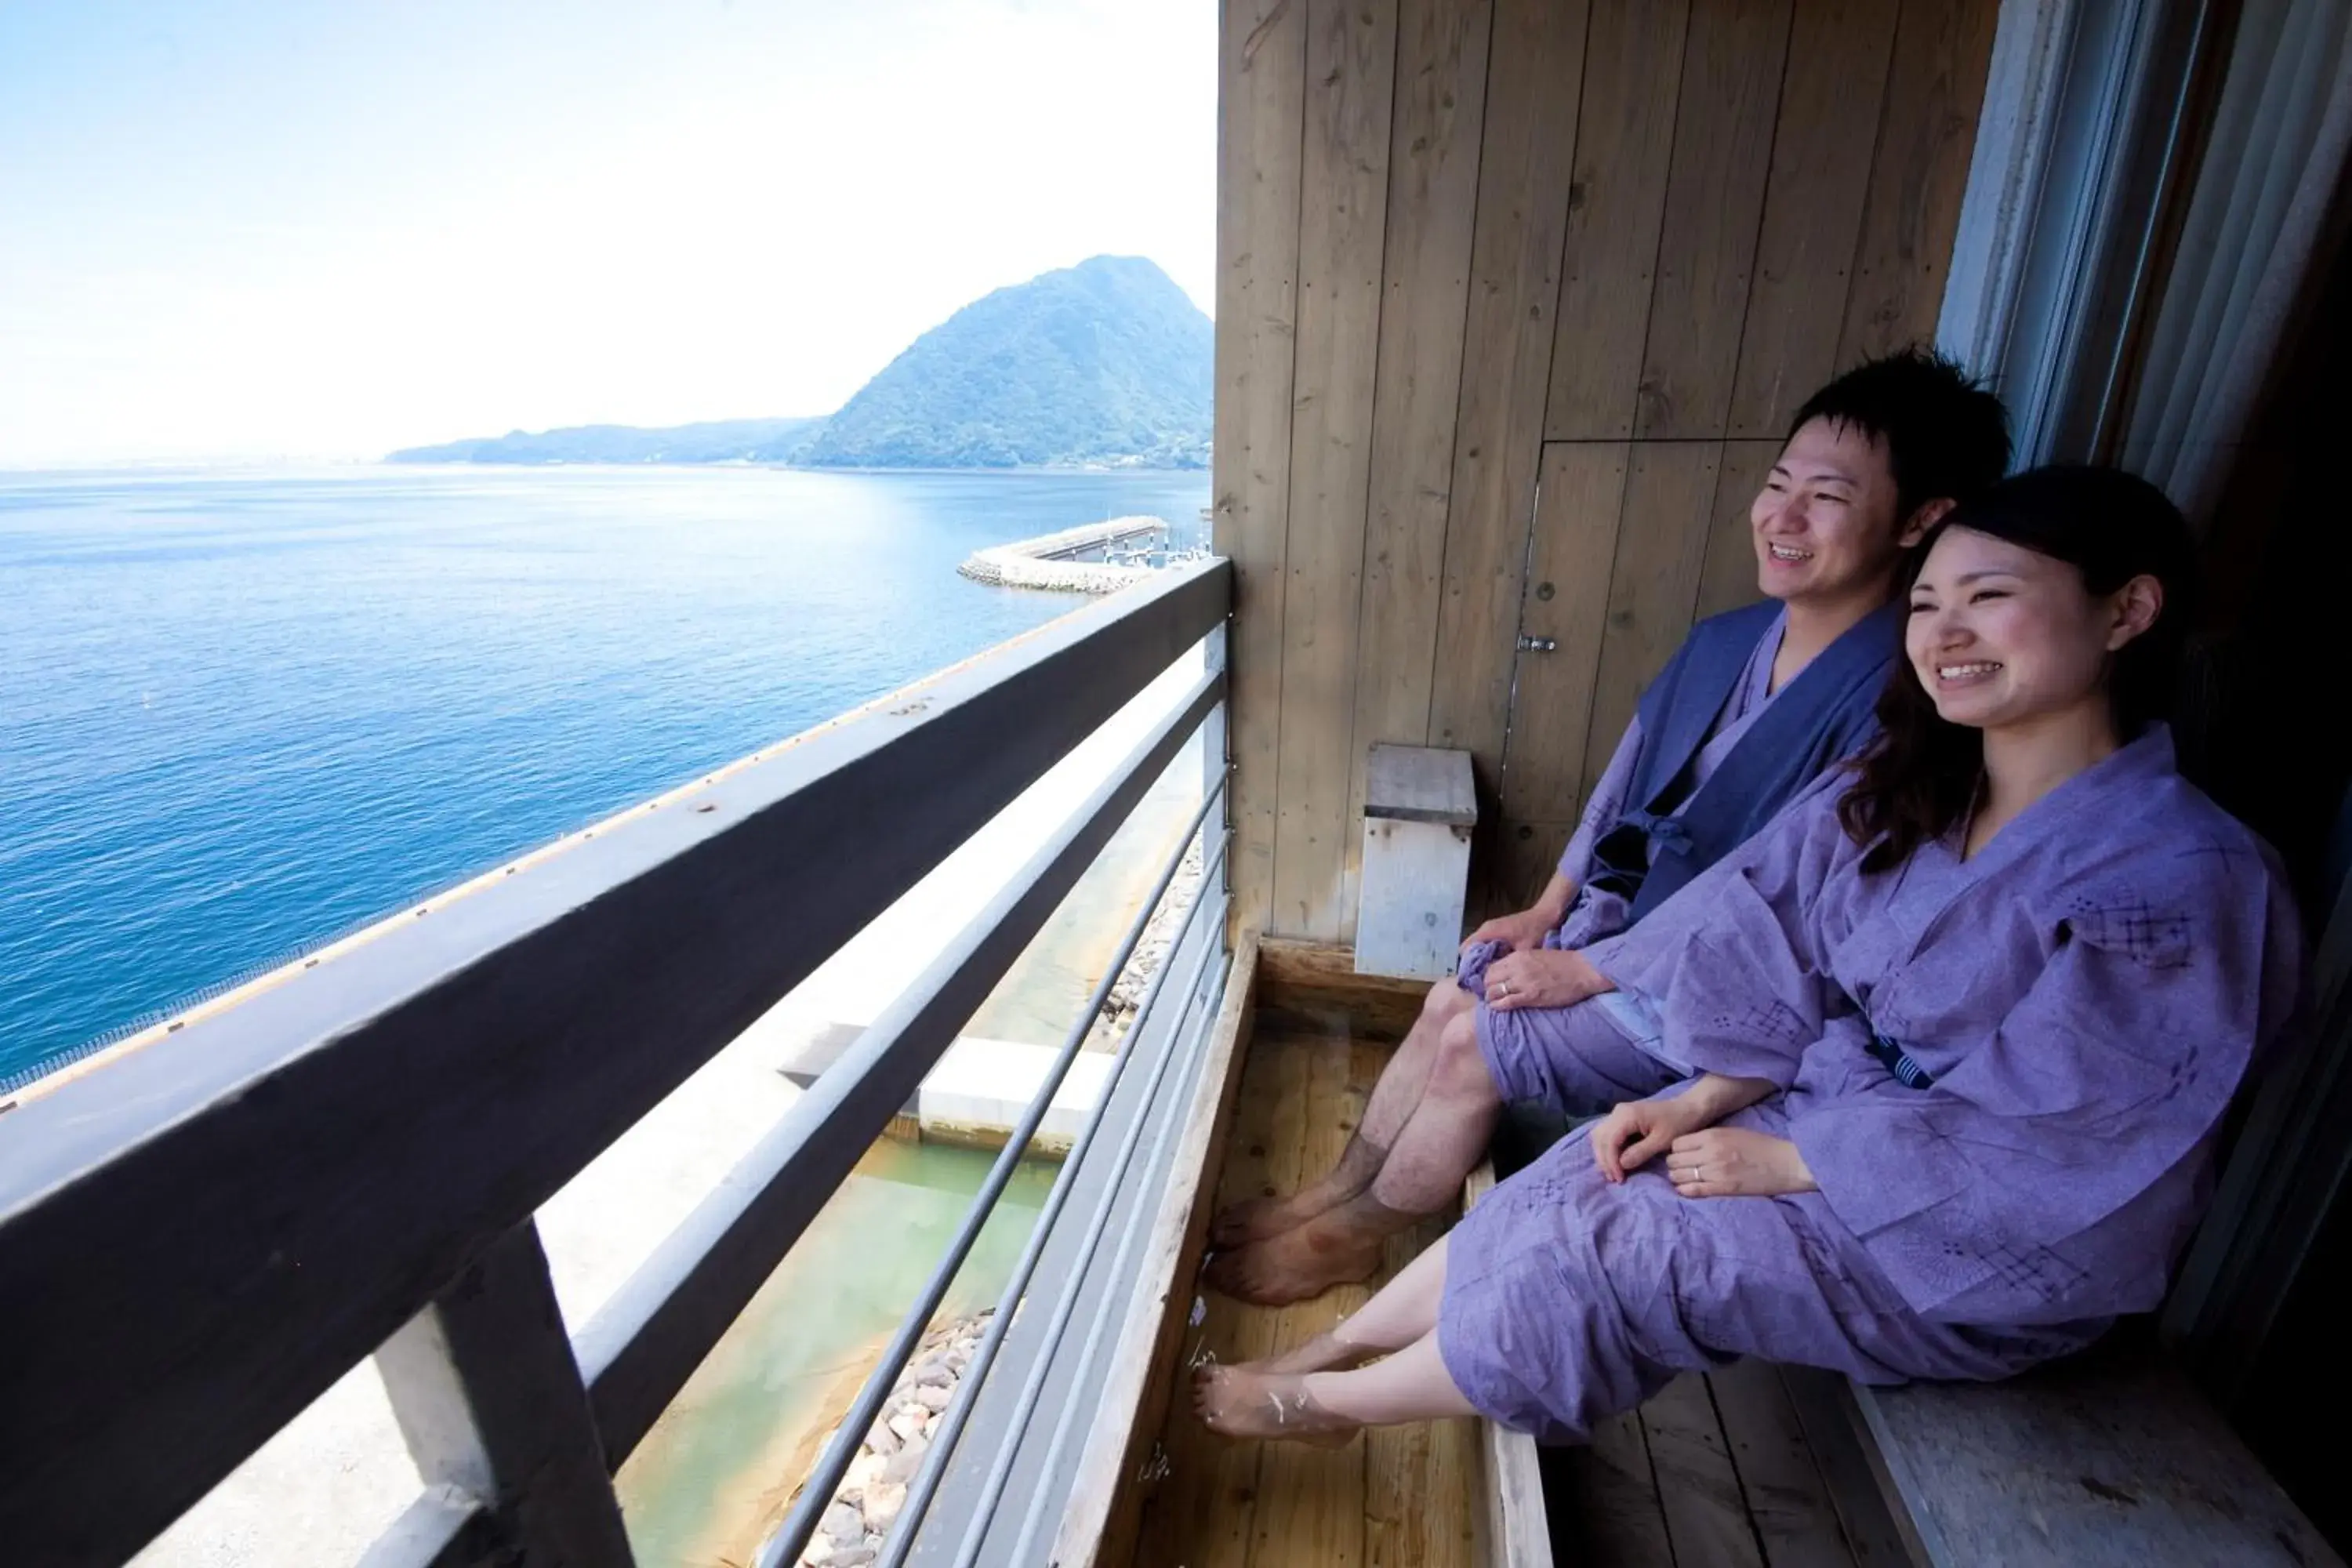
1945, 434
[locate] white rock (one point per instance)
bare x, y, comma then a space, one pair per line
844, 1523
864, 1470
904, 1463
882, 1505
908, 1425
934, 1395
882, 1440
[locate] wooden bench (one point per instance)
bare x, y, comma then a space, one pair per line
2113, 1457
2109, 1458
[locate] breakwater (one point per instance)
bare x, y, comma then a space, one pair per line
1052, 561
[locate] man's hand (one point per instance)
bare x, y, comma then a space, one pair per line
1634, 1133
1735, 1162
1542, 977
1516, 933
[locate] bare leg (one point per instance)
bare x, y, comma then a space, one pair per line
1442, 1141
1447, 1134
1402, 1312
1329, 1407
1385, 1115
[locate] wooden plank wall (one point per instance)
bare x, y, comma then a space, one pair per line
1516, 298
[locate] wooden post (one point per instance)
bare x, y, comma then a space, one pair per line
490, 1398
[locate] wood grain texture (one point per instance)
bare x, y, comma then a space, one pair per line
1624, 145
1140, 1384
1707, 1514
1578, 508
1201, 1513
1310, 1501
1351, 83
1653, 586
1724, 121
1441, 100
1787, 1497
1610, 1512
2106, 1461
1418, 783
1525, 162
1530, 852
1934, 86
1827, 132
1404, 1467
1261, 86
1851, 1467
1727, 579
1318, 980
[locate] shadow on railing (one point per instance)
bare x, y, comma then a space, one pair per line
202, 1234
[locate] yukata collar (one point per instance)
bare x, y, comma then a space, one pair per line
2148, 755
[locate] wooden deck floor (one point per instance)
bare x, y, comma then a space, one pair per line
1716, 1470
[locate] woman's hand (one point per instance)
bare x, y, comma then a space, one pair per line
1634, 1133
1639, 1130
1544, 977
1737, 1163
1514, 933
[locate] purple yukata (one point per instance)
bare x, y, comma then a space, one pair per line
2005, 1073
1598, 911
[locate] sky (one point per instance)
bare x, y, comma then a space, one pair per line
269, 229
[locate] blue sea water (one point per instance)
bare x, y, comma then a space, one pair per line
241, 714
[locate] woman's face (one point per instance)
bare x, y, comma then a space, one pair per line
2000, 635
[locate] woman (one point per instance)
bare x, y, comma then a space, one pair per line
1959, 1027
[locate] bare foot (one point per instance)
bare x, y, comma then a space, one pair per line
1256, 1219
1300, 1263
1261, 1219
1249, 1401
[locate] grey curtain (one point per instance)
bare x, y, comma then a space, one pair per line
2262, 219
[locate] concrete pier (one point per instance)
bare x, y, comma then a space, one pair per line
1045, 562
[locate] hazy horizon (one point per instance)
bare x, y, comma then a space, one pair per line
251, 232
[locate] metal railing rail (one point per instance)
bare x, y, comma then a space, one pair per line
801, 1524
202, 1235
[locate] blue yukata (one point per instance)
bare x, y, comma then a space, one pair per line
1712, 755
2004, 1071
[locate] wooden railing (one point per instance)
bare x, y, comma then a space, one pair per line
199, 1236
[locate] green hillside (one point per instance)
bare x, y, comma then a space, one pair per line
716, 441
1107, 362
1104, 364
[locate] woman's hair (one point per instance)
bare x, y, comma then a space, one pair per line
1923, 773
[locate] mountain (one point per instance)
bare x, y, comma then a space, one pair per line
1107, 362
1104, 364
715, 441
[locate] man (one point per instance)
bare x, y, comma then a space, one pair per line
1753, 707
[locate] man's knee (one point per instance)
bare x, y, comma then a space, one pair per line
1460, 1064
1446, 1000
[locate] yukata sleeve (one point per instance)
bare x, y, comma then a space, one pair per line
1732, 962
1607, 804
2052, 1176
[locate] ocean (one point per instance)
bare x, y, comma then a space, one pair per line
243, 712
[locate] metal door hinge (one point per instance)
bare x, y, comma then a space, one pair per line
1536, 645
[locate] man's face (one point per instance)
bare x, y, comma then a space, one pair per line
1825, 523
